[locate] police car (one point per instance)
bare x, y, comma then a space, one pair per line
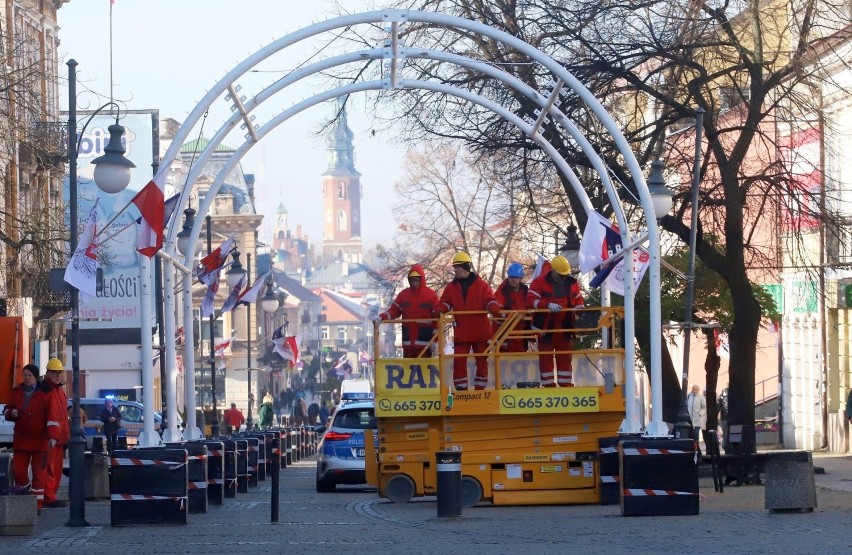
340, 458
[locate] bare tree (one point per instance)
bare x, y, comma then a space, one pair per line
753, 67
450, 199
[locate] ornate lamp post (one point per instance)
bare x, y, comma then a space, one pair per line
269, 304
112, 175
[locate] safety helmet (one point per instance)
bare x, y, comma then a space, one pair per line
414, 274
461, 257
561, 265
54, 365
515, 270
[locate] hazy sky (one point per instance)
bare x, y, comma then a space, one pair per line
167, 53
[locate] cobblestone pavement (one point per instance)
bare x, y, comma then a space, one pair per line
354, 520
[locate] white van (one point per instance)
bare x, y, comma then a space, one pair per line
358, 389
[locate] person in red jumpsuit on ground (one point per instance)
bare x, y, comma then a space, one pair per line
416, 302
28, 409
555, 290
512, 294
58, 432
469, 292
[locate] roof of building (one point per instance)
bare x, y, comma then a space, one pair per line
293, 287
199, 144
344, 276
340, 308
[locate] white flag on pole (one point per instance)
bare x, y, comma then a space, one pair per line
82, 270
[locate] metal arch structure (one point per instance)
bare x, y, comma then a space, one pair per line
394, 53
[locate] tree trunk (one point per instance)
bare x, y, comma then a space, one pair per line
711, 367
743, 344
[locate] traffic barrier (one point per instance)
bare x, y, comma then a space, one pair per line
275, 459
790, 484
262, 454
610, 479
292, 446
96, 466
253, 460
242, 465
449, 483
269, 437
148, 486
230, 468
659, 477
215, 471
196, 475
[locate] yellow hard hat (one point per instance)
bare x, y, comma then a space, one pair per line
54, 365
460, 257
414, 274
561, 265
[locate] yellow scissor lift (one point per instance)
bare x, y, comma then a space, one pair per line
520, 444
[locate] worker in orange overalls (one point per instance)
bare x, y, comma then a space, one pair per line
58, 432
416, 304
28, 409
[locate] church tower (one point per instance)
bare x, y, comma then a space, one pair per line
341, 191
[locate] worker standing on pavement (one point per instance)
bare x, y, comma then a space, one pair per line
28, 409
469, 292
555, 291
58, 431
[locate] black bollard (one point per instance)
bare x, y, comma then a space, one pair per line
449, 483
276, 475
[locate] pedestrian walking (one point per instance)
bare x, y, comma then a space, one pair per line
111, 419
416, 306
58, 431
469, 293
28, 409
313, 413
234, 419
697, 406
555, 291
266, 414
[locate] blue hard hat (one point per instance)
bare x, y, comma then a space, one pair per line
515, 270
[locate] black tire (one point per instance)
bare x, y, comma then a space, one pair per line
471, 491
400, 488
324, 486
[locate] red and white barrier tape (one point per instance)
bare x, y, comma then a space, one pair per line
610, 479
215, 480
196, 485
129, 497
654, 492
197, 457
656, 452
143, 462
214, 453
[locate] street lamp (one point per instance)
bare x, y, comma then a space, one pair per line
269, 304
214, 424
661, 196
236, 271
184, 235
571, 249
112, 175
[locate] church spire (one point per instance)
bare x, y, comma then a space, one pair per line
341, 151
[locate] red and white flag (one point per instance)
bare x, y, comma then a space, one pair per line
82, 270
152, 205
234, 295
215, 260
285, 346
210, 295
249, 296
219, 349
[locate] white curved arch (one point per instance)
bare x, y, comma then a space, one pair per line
450, 21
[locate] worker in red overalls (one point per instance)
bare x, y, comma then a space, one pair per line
512, 294
555, 291
469, 292
58, 432
28, 409
416, 304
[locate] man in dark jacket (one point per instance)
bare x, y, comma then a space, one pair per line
469, 292
416, 305
112, 422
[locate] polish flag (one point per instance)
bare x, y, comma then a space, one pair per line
215, 260
249, 296
151, 204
